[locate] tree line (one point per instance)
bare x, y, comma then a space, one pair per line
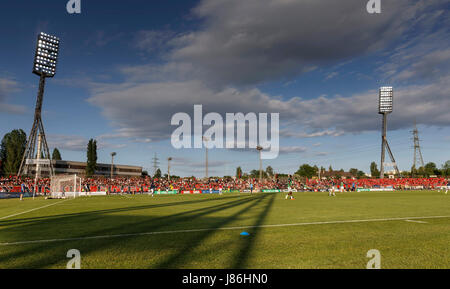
308, 171
12, 149
428, 170
13, 145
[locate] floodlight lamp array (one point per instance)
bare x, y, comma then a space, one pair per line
386, 99
46, 57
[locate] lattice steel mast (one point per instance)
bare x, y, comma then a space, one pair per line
418, 159
155, 164
46, 56
386, 96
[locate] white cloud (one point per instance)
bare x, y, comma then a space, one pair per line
424, 55
77, 143
152, 41
332, 75
144, 111
292, 133
245, 42
7, 87
292, 149
67, 142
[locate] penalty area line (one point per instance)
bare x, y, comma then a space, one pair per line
28, 211
219, 229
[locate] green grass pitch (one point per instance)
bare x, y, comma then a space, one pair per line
203, 231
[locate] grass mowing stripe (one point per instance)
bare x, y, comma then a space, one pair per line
21, 213
222, 229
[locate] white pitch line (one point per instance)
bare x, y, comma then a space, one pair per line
414, 221
21, 213
217, 229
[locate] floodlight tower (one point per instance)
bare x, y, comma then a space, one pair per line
45, 59
385, 107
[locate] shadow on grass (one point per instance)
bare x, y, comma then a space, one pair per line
242, 256
98, 223
176, 260
115, 210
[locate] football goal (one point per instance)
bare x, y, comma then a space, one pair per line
65, 186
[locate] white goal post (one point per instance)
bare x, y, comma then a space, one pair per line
65, 186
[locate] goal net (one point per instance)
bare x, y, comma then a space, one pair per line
65, 186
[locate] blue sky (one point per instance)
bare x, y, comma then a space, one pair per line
127, 66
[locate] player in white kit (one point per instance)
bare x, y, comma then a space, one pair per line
331, 191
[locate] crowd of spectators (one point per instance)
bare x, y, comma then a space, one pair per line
144, 184
396, 183
13, 184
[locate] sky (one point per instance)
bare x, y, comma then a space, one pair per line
126, 67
